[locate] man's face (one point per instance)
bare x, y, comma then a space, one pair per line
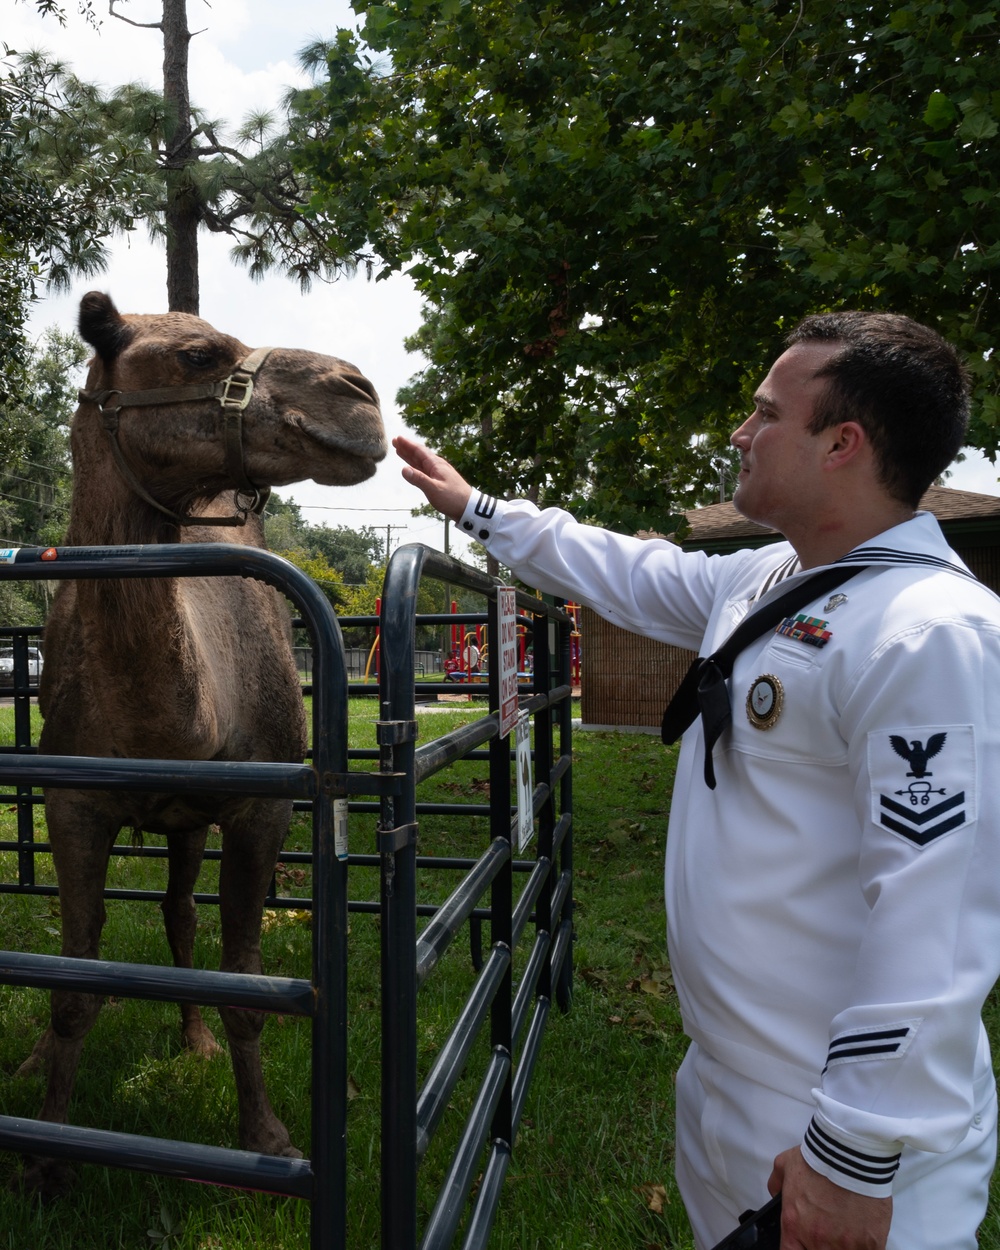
781, 462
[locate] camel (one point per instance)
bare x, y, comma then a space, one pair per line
182, 668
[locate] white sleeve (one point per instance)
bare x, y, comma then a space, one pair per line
920, 720
648, 586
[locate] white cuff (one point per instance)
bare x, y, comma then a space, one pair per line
860, 1166
481, 516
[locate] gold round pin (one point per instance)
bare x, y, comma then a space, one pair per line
764, 701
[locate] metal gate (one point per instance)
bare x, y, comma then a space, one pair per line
517, 1015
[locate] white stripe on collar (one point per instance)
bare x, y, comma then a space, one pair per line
890, 555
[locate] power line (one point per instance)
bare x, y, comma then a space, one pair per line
16, 477
49, 468
21, 499
324, 507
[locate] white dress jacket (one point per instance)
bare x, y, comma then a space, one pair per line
833, 906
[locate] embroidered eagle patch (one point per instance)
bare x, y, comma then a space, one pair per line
923, 780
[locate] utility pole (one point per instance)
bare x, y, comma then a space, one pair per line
722, 468
388, 538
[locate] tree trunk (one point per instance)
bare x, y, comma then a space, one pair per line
182, 212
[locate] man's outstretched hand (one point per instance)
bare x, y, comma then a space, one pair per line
443, 485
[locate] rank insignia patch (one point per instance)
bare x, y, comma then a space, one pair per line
923, 781
805, 629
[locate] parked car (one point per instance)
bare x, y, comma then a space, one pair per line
7, 665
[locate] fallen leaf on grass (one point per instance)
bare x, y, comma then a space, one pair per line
598, 977
275, 918
475, 785
655, 1197
292, 876
658, 982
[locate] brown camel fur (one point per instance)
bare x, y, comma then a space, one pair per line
185, 668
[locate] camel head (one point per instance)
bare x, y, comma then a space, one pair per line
154, 385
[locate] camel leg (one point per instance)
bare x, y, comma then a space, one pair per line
185, 853
81, 840
249, 851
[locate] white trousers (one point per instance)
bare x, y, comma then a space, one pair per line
729, 1130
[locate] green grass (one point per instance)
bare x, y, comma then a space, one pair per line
593, 1162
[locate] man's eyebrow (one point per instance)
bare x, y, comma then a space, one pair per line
761, 400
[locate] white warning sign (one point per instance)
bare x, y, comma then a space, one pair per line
507, 609
525, 784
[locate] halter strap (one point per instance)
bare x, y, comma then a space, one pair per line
233, 393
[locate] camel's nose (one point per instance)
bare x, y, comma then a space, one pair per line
358, 387
361, 383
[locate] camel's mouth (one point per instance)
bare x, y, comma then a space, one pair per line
357, 450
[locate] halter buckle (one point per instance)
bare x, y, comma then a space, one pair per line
234, 382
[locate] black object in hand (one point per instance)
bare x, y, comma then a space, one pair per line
758, 1230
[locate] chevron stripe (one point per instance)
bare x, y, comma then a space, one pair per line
885, 1043
914, 821
914, 817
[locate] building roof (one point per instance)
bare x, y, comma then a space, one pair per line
719, 527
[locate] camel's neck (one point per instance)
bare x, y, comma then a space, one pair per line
128, 620
105, 510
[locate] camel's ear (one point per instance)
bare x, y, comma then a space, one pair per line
102, 326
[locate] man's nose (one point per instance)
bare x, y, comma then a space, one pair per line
741, 434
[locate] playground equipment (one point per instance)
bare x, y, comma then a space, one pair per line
515, 1015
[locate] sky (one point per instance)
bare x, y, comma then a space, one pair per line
243, 60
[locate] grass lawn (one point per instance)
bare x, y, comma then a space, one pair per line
592, 1165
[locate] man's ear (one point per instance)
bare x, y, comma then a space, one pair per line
846, 441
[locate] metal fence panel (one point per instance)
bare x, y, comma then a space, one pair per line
484, 893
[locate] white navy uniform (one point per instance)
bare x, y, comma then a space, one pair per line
833, 906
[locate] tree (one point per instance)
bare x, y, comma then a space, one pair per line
362, 600
175, 168
615, 211
35, 479
70, 182
352, 551
35, 476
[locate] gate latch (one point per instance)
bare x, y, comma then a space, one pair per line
390, 733
392, 840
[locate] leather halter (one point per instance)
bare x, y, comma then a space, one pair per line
233, 393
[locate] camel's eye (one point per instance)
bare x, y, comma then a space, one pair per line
198, 357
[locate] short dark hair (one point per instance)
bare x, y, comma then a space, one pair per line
904, 384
